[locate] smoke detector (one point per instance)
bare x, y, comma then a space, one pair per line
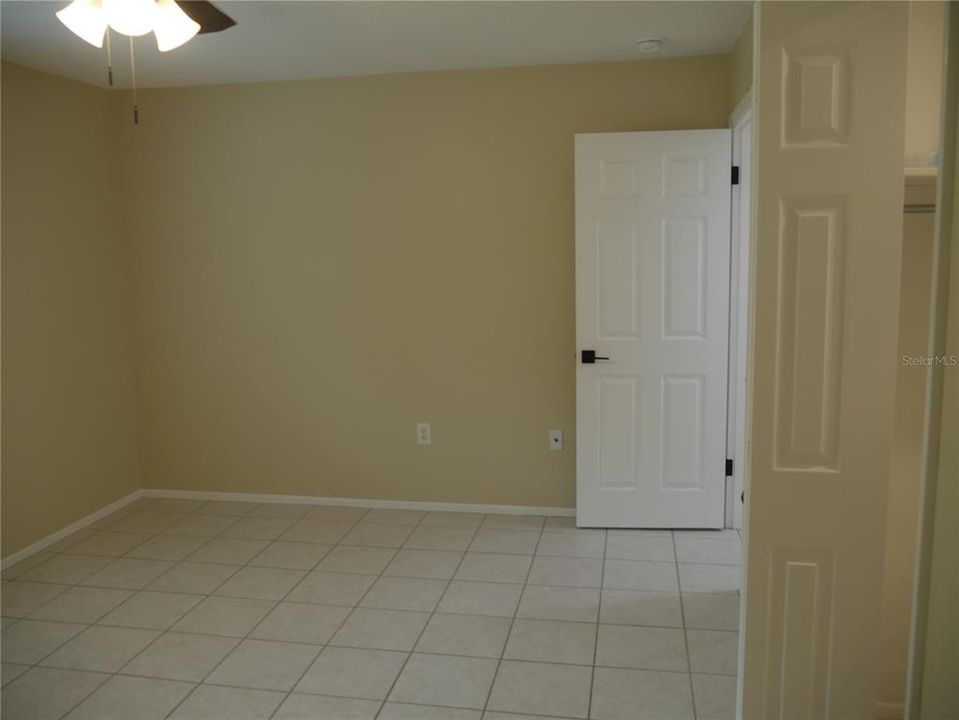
650, 45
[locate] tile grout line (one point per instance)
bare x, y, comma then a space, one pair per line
449, 582
599, 618
512, 623
682, 610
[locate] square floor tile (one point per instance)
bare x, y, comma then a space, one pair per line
362, 560
337, 513
44, 693
468, 521
403, 711
233, 617
559, 523
348, 672
64, 544
394, 593
66, 569
640, 575
374, 534
710, 578
715, 696
81, 605
625, 545
573, 543
280, 510
211, 702
29, 641
201, 525
261, 583
641, 695
713, 651
167, 547
489, 567
327, 588
722, 552
10, 672
518, 542
479, 598
300, 622
513, 522
132, 699
226, 507
112, 544
445, 680
559, 603
551, 641
389, 515
181, 656
14, 571
316, 531
711, 611
641, 607
147, 522
435, 564
318, 707
291, 555
190, 577
19, 599
381, 629
264, 665
228, 550
566, 571
151, 610
101, 649
464, 635
258, 528
127, 573
642, 648
525, 687
439, 537
172, 505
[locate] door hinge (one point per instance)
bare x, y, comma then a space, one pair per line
735, 175
729, 467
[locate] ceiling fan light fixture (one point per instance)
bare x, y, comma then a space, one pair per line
130, 17
172, 26
85, 19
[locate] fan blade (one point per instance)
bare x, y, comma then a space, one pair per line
209, 17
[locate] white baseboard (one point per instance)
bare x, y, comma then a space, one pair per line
264, 498
69, 529
362, 502
888, 711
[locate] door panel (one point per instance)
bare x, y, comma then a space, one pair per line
827, 240
652, 284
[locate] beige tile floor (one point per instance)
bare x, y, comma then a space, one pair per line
191, 609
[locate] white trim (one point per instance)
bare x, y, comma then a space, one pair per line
69, 529
888, 711
363, 502
743, 107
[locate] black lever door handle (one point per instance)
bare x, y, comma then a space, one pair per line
589, 357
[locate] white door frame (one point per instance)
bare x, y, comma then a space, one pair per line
736, 442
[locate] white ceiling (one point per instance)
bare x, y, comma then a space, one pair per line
279, 40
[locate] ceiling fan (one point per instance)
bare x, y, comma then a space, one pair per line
173, 22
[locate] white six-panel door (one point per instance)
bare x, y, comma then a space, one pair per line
652, 294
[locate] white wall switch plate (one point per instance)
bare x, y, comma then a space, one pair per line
555, 439
424, 434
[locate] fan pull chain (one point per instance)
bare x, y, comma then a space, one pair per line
133, 75
109, 60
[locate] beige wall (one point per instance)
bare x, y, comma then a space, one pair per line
322, 264
69, 432
741, 65
924, 80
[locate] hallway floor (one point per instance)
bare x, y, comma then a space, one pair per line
191, 609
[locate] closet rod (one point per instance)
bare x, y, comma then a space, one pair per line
916, 208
